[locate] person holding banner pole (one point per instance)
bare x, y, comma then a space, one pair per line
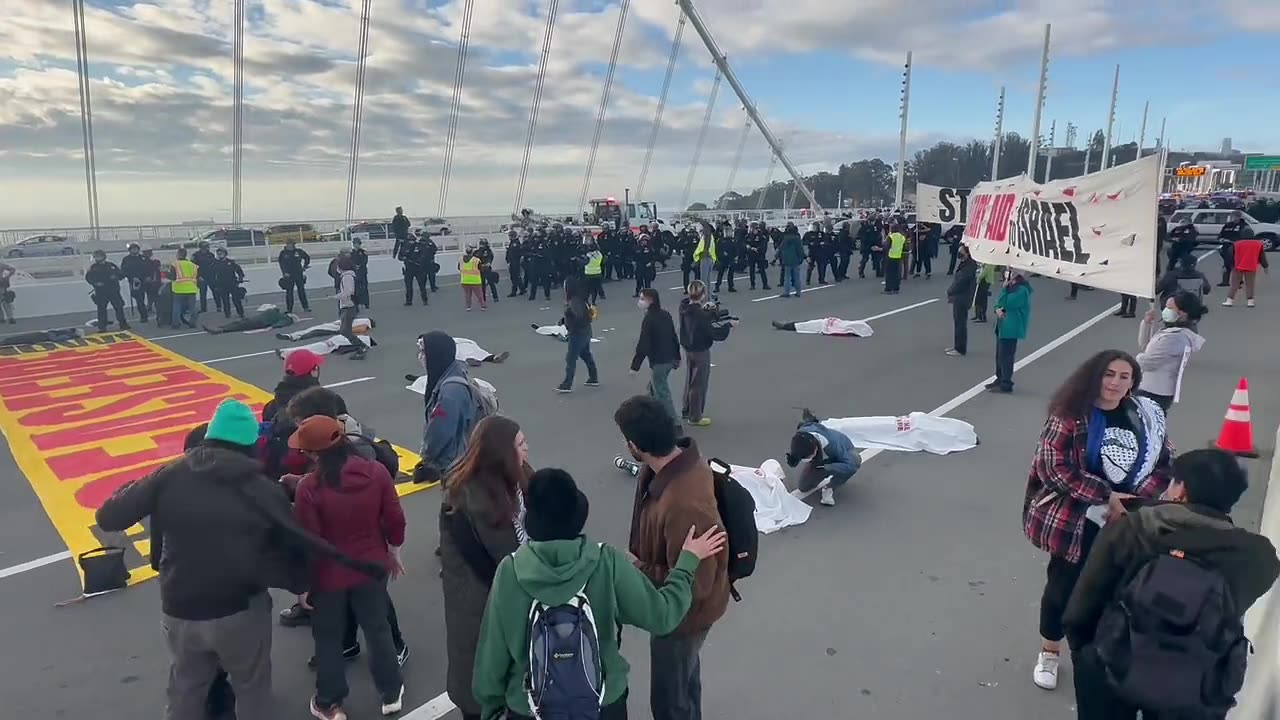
1013, 312
986, 278
952, 238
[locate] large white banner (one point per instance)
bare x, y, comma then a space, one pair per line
1097, 230
936, 204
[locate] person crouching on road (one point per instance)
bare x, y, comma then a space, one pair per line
658, 342
557, 565
351, 502
825, 453
1165, 353
577, 320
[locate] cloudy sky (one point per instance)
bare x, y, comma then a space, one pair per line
825, 74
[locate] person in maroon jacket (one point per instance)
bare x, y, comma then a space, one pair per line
351, 502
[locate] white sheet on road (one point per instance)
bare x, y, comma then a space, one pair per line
776, 508
556, 331
907, 433
326, 346
420, 385
359, 326
469, 350
834, 326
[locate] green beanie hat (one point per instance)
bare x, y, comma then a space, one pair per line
233, 422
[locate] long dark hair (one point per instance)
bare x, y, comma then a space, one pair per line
490, 461
1077, 395
329, 463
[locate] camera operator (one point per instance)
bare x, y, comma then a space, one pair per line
702, 323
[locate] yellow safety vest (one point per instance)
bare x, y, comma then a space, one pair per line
184, 277
594, 262
897, 242
470, 271
701, 249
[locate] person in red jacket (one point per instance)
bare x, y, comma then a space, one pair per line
1249, 254
351, 502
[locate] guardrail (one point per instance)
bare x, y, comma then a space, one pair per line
1260, 697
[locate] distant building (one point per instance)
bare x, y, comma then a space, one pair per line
1226, 146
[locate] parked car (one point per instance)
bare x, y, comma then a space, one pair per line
233, 237
1209, 221
436, 226
363, 231
302, 232
42, 246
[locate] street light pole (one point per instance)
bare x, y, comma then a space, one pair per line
1035, 122
903, 110
1111, 119
998, 142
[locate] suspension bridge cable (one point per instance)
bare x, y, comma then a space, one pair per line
702, 136
662, 104
86, 116
768, 177
737, 156
237, 111
357, 115
464, 42
604, 102
552, 10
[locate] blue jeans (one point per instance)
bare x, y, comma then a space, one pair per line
791, 279
184, 309
579, 347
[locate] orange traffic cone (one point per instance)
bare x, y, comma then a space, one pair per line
1237, 428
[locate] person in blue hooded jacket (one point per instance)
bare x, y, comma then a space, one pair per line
825, 453
450, 409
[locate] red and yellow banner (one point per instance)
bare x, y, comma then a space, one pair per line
83, 417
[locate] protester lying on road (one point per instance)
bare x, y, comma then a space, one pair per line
335, 344
266, 316
470, 352
360, 326
827, 326
41, 336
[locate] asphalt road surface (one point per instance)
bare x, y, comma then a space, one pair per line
915, 597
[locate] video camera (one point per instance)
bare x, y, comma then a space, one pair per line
722, 321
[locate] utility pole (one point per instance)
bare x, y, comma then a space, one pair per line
1035, 122
998, 142
1111, 119
722, 62
1142, 134
903, 110
1050, 152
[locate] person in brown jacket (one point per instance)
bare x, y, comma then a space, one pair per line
674, 491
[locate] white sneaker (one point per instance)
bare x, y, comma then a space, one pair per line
828, 497
1249, 303
1046, 672
953, 352
1228, 302
393, 707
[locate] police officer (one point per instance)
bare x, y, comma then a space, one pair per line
515, 256
225, 276
202, 257
490, 276
537, 265
871, 246
607, 244
429, 250
627, 245
644, 270
293, 262
1182, 240
413, 253
1227, 237
686, 245
727, 250
360, 264
813, 246
152, 280
400, 228
844, 251
135, 269
757, 248
105, 278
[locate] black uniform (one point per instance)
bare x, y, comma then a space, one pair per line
515, 257
644, 270
757, 249
844, 252
627, 244
814, 247
293, 263
360, 263
105, 278
414, 255
488, 276
952, 237
726, 257
135, 269
399, 228
202, 258
869, 239
1227, 237
686, 243
429, 249
225, 276
1183, 240
537, 268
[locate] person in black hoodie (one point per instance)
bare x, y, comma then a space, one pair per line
696, 339
228, 536
658, 342
952, 237
964, 283
577, 320
1193, 521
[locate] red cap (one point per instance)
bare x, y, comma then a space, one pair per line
302, 362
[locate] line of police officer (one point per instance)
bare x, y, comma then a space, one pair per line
215, 271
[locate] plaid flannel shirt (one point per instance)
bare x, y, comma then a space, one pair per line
1060, 489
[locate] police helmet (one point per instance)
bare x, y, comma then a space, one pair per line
470, 247
134, 246
484, 242
99, 254
220, 251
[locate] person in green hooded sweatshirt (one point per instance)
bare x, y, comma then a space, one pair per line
1013, 312
557, 562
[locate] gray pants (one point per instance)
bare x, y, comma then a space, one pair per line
660, 388
240, 644
697, 378
675, 682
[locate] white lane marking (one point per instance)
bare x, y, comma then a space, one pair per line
237, 357
811, 288
436, 708
900, 310
170, 337
736, 278
38, 562
348, 382
981, 387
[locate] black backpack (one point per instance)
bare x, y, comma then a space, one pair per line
1173, 640
566, 678
738, 513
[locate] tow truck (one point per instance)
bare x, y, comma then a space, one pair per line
609, 212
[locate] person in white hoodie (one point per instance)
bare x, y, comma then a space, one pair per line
1166, 352
347, 306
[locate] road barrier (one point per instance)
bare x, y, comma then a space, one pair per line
1260, 697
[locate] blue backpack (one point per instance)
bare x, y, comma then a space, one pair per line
565, 680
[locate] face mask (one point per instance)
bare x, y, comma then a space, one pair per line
642, 304
1169, 315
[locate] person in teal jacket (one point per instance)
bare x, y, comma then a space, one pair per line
552, 568
1013, 311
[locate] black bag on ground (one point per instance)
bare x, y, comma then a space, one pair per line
103, 570
1173, 640
738, 513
